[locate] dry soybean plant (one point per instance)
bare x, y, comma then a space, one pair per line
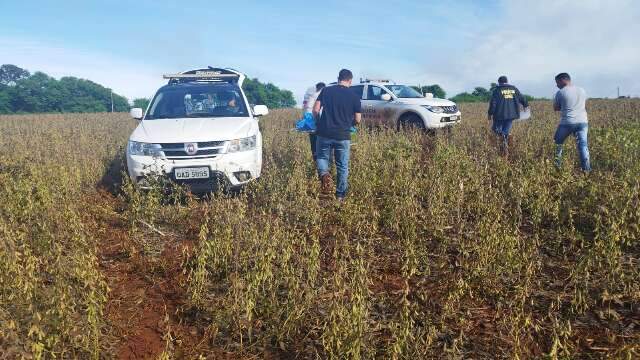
443, 248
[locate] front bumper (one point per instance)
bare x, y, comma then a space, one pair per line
437, 121
235, 170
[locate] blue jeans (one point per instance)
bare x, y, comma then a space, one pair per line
342, 149
580, 131
502, 127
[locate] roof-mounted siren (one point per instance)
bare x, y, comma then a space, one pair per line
210, 74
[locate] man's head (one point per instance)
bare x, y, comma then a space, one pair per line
345, 77
320, 86
502, 80
562, 80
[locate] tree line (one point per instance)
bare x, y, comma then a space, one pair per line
479, 94
23, 92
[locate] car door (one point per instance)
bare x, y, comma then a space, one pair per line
374, 107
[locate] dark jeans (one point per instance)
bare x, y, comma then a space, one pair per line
342, 149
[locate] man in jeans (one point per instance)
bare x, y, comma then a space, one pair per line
340, 111
504, 107
571, 101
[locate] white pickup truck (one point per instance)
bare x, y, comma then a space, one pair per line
198, 130
398, 106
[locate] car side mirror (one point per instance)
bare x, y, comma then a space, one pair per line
136, 113
385, 97
428, 95
260, 110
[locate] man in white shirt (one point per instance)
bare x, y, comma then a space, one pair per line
571, 101
307, 104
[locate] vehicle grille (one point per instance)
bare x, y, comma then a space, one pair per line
206, 150
450, 109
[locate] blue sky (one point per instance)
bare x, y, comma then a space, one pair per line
128, 45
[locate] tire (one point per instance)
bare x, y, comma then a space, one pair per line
410, 122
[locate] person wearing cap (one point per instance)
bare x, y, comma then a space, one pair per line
504, 108
571, 101
341, 110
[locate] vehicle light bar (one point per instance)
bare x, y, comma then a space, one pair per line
201, 75
206, 75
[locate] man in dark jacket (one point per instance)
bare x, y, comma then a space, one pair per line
504, 107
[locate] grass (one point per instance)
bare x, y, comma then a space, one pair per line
443, 248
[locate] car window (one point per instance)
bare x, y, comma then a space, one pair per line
375, 92
358, 90
197, 101
403, 91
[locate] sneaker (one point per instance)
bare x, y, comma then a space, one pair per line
326, 184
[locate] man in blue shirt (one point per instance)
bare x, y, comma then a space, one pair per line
339, 109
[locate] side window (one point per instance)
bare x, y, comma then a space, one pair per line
358, 90
375, 92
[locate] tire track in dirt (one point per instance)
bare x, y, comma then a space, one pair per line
145, 300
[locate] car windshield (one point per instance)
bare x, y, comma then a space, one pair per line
403, 91
197, 101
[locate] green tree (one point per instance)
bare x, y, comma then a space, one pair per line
434, 89
481, 94
42, 93
9, 74
5, 106
142, 103
267, 94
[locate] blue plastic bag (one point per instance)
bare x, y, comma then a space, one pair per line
307, 123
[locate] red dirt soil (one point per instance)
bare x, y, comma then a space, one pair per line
145, 296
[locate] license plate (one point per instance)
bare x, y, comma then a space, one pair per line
453, 118
192, 173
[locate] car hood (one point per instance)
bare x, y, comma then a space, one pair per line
426, 101
193, 129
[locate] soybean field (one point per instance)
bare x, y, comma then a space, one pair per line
443, 249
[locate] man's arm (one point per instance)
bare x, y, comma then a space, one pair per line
522, 99
492, 104
357, 109
556, 102
316, 108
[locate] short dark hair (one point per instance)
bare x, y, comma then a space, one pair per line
320, 86
563, 76
503, 80
345, 75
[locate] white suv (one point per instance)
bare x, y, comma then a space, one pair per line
388, 104
198, 130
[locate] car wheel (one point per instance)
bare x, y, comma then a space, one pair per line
410, 122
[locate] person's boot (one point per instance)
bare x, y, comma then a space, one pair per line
326, 184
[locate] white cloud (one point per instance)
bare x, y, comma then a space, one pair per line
595, 41
125, 77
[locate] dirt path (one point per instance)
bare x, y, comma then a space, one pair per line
143, 311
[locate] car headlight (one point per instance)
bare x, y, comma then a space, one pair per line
144, 149
244, 144
434, 109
